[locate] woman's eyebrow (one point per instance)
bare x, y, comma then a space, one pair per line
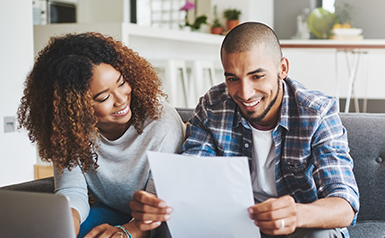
96, 95
117, 81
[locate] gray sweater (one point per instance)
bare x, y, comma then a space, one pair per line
123, 167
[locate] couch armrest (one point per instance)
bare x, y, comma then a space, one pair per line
185, 113
45, 185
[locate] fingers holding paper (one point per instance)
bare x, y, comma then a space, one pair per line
148, 210
275, 216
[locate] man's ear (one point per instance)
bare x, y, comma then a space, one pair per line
283, 68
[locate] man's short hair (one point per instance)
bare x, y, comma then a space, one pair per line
246, 36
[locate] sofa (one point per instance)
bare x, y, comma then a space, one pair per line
366, 135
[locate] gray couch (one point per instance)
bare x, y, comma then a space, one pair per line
366, 134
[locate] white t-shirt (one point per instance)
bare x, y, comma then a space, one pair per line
263, 165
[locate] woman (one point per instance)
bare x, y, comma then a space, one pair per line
95, 107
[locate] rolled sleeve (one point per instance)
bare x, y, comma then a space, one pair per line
333, 172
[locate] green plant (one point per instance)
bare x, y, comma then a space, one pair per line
216, 22
344, 13
198, 22
231, 14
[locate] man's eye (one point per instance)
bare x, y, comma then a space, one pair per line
257, 76
231, 79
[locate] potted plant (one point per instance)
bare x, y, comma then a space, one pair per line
187, 7
232, 17
198, 20
216, 27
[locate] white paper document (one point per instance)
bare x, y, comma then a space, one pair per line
209, 195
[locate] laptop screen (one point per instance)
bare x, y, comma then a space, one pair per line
35, 215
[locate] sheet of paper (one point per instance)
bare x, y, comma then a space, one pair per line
209, 195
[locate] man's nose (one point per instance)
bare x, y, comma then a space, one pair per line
246, 89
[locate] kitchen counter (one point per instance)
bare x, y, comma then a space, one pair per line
339, 44
340, 68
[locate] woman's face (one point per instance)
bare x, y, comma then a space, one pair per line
111, 96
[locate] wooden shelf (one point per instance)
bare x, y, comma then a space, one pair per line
123, 31
170, 34
339, 44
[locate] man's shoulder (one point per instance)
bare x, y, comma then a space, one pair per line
216, 105
217, 95
308, 99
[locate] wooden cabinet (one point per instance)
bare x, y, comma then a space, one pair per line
43, 171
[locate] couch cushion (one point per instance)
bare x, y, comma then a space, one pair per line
45, 185
185, 113
367, 229
366, 136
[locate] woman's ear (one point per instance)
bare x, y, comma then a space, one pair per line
283, 68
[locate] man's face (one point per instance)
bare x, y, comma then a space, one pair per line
254, 81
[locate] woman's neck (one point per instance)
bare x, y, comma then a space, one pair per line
113, 132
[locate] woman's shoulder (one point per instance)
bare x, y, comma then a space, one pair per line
168, 118
168, 130
168, 113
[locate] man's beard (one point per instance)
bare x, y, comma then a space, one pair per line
263, 115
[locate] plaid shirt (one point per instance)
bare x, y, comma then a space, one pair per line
311, 147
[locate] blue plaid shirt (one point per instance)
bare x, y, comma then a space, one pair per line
311, 147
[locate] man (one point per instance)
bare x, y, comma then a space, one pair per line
301, 169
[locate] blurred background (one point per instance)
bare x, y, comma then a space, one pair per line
181, 34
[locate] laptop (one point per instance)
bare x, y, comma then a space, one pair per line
35, 215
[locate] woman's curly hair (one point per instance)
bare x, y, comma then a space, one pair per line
56, 108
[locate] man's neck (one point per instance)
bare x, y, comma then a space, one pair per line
262, 128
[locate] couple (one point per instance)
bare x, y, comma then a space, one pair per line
94, 107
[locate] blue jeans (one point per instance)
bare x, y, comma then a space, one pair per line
310, 233
100, 214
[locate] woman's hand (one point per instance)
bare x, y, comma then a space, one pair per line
106, 231
149, 211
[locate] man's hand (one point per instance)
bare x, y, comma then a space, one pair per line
149, 211
275, 216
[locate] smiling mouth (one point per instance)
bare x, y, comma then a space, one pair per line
123, 111
251, 104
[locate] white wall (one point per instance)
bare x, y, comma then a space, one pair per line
92, 11
252, 10
285, 16
368, 15
261, 10
16, 58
